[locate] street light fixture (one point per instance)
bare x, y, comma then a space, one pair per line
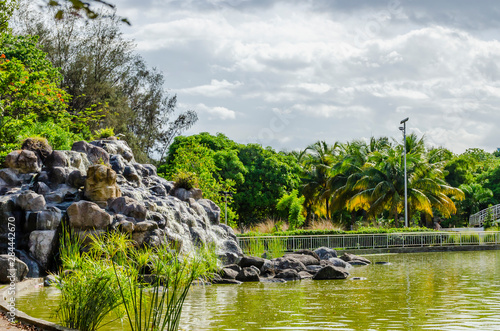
403, 128
225, 194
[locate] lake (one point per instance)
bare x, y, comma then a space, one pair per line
422, 291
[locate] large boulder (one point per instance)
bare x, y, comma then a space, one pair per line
355, 259
42, 246
212, 210
184, 195
31, 201
336, 262
250, 274
307, 252
86, 215
48, 219
128, 207
9, 177
288, 274
40, 146
324, 253
248, 261
331, 272
305, 259
12, 269
287, 262
228, 273
115, 147
23, 161
95, 154
57, 159
100, 184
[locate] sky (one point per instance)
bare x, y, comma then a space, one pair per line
288, 73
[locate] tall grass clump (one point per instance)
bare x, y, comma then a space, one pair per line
255, 247
276, 247
89, 291
323, 224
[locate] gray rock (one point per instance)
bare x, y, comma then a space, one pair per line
145, 226
128, 207
285, 262
331, 272
131, 174
247, 261
49, 219
117, 147
117, 163
185, 195
248, 275
288, 274
42, 245
9, 176
77, 161
355, 259
57, 159
31, 201
336, 262
307, 252
226, 281
126, 226
86, 215
58, 175
305, 275
212, 210
76, 179
150, 169
229, 273
95, 154
12, 269
49, 280
305, 259
324, 253
41, 188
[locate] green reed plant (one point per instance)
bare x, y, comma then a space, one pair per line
276, 247
256, 247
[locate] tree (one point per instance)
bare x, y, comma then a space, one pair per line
73, 8
292, 206
476, 199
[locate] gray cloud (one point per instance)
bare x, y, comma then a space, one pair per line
287, 73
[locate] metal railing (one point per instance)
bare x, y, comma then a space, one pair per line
372, 241
479, 218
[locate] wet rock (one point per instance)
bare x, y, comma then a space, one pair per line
145, 226
95, 154
229, 273
117, 163
86, 215
33, 267
286, 262
12, 269
131, 174
128, 207
324, 253
212, 210
355, 259
150, 169
116, 147
58, 175
9, 177
76, 179
227, 281
77, 161
248, 275
57, 159
50, 280
23, 161
100, 184
305, 275
330, 272
42, 245
48, 219
315, 268
306, 252
383, 263
247, 261
31, 201
184, 195
41, 188
305, 259
288, 274
126, 226
336, 262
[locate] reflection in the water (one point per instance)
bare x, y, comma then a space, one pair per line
433, 291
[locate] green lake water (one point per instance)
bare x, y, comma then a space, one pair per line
425, 291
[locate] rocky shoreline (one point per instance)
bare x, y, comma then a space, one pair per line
321, 264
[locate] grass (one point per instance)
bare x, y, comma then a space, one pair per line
109, 278
270, 248
323, 225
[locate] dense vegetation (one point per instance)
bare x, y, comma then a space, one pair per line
354, 184
72, 79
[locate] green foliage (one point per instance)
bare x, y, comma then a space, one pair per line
185, 180
7, 8
292, 205
270, 249
335, 232
104, 133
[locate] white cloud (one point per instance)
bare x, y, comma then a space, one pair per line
216, 89
218, 113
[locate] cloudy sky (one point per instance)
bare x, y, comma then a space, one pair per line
288, 73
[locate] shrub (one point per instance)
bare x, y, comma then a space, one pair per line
104, 133
185, 180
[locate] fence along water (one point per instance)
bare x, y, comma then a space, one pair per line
372, 241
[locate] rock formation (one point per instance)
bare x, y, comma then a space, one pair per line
98, 187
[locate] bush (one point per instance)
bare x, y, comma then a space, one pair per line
104, 133
185, 180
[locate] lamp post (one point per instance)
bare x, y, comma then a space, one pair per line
403, 128
225, 194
